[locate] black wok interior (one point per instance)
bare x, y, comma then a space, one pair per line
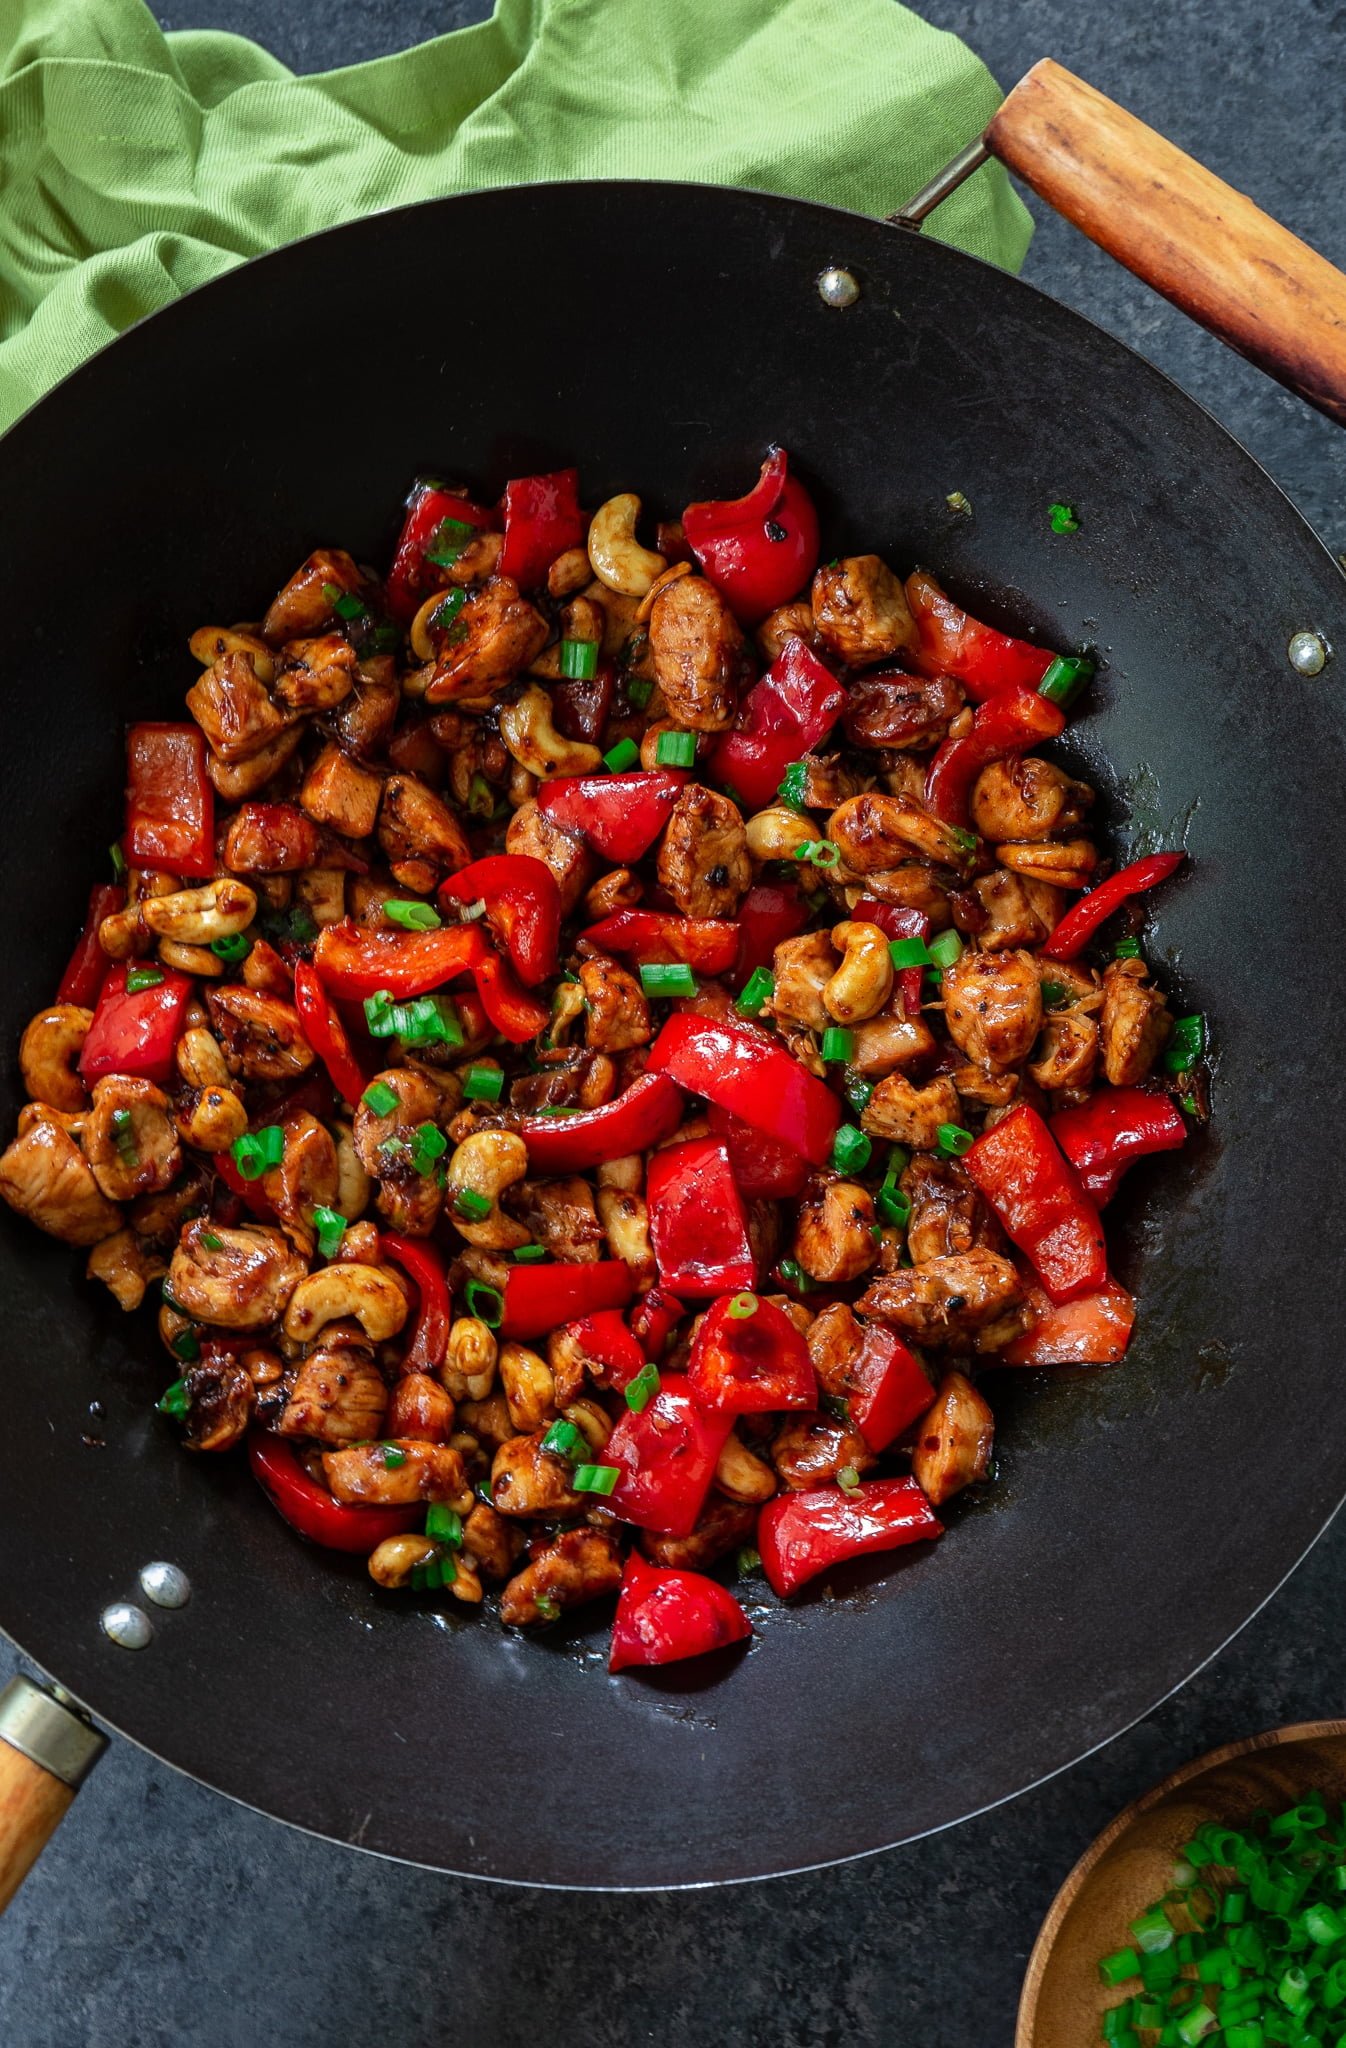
1141, 1514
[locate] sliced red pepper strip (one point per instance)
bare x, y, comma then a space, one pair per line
744, 1072
667, 1456
899, 923
1101, 1137
542, 519
88, 966
249, 1192
411, 579
802, 1534
538, 1299
794, 706
523, 906
770, 912
654, 1319
1079, 924
356, 961
749, 1364
1094, 1329
1010, 722
620, 816
708, 944
170, 804
605, 1338
1035, 1192
697, 1225
761, 1165
953, 643
648, 1111
310, 1508
888, 1388
665, 1615
429, 1340
326, 1034
760, 549
135, 1034
515, 1014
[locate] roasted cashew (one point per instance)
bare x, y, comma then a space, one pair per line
591, 1420
195, 917
741, 1474
1065, 863
486, 1164
527, 730
393, 1561
469, 1363
777, 832
616, 555
529, 1389
197, 960
200, 1059
864, 981
353, 1183
626, 1225
568, 573
209, 643
369, 1295
211, 1120
48, 1051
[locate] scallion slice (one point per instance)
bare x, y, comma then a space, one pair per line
579, 660
621, 757
1063, 518
484, 1302
747, 1562
819, 853
639, 690
469, 1203
954, 1140
330, 1226
838, 1044
175, 1400
642, 1389
118, 859
141, 978
595, 1478
483, 1084
793, 1274
1126, 949
427, 1145
444, 1524
667, 978
529, 1254
675, 749
256, 1152
447, 542
413, 917
1185, 1047
792, 784
756, 992
1064, 679
848, 1479
211, 1242
564, 1440
231, 950
742, 1306
944, 950
447, 610
851, 1149
909, 952
379, 1097
393, 1457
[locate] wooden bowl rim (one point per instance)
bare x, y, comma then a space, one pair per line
1273, 1738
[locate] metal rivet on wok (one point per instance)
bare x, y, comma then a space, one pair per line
837, 287
128, 1626
167, 1585
1308, 654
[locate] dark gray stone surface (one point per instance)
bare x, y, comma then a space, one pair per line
164, 1915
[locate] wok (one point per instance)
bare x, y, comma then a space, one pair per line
1141, 1514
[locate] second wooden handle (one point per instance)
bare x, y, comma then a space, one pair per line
1180, 228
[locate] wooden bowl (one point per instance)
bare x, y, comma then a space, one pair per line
1131, 1865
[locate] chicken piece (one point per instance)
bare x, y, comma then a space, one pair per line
45, 1177
982, 1087
723, 1525
910, 886
1011, 919
703, 856
491, 1542
397, 1474
241, 1279
803, 966
617, 1013
566, 1080
891, 1039
569, 859
787, 622
947, 1213
130, 1140
561, 1215
618, 889
1066, 1054
860, 610
699, 654
126, 1267
840, 1348
954, 1442
1134, 1022
339, 793
234, 709
419, 1409
420, 835
1022, 797
363, 722
826, 780
909, 1115
235, 781
526, 1480
1053, 863
338, 1396
993, 1006
945, 1300
834, 1230
260, 1034
220, 1401
303, 606
809, 1450
580, 1565
307, 1178
317, 674
897, 710
157, 1219
495, 635
270, 839
266, 971
876, 832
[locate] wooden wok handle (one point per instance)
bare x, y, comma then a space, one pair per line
1179, 228
47, 1749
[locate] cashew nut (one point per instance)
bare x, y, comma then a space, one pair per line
661, 583
48, 1051
198, 960
486, 1164
528, 1386
353, 1183
615, 554
1065, 863
469, 1363
776, 833
194, 917
211, 1120
369, 1295
742, 1475
201, 1060
209, 643
591, 1420
864, 981
626, 1225
527, 730
568, 573
393, 1561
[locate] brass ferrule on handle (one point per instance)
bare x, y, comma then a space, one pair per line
47, 1749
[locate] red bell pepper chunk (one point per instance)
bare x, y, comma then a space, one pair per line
955, 644
761, 1165
88, 966
1079, 924
605, 1337
663, 1616
802, 1534
135, 1034
697, 1224
542, 519
1101, 1137
770, 912
760, 549
429, 1341
1011, 721
888, 1388
620, 816
745, 1072
523, 907
1094, 1329
899, 923
749, 1364
310, 1508
170, 805
248, 1192
654, 1319
648, 1111
1034, 1191
515, 1014
708, 944
667, 1456
411, 579
326, 1034
793, 707
538, 1299
356, 961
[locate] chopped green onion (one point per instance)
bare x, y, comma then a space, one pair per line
548, 1606
211, 1242
1063, 518
176, 1400
621, 757
1064, 679
1198, 2020
447, 542
667, 978
231, 950
469, 1203
1126, 949
747, 1562
794, 1276
443, 1524
379, 1097
642, 1389
1153, 1931
413, 917
857, 1092
595, 1478
639, 690
118, 859
429, 1020
894, 1208
344, 603
427, 1145
529, 1254
1116, 1968
1054, 993
444, 614
756, 992
791, 787
848, 1479
186, 1346
480, 796
954, 1140
833, 1404
378, 1010
433, 1573
909, 952
483, 1084
851, 1149
124, 1137
838, 1044
1185, 1047
944, 950
820, 853
579, 660
956, 502
742, 1306
256, 1152
1190, 1104
392, 1457
675, 749
564, 1440
142, 978
331, 1228
967, 840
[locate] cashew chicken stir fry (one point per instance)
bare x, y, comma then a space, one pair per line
596, 1047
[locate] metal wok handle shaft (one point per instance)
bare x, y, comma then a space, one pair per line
47, 1749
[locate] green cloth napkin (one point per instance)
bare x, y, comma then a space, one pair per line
134, 164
